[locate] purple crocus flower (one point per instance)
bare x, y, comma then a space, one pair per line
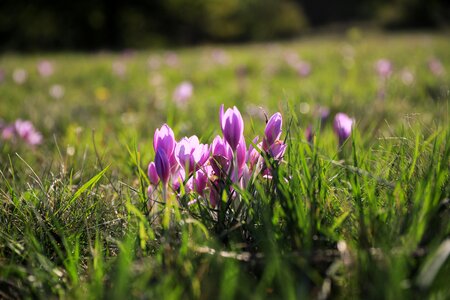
152, 174
222, 156
198, 182
232, 126
190, 154
342, 127
273, 130
277, 150
183, 92
164, 139
162, 166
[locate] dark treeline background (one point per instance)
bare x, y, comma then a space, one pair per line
114, 24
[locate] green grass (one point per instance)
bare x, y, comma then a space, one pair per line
368, 220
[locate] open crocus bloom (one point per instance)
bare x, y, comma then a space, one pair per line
190, 154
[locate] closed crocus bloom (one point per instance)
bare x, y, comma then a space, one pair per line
232, 126
164, 139
273, 130
222, 155
152, 174
162, 165
342, 127
241, 153
277, 150
183, 92
191, 154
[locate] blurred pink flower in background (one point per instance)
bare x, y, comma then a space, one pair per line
23, 130
57, 91
183, 92
45, 68
384, 68
20, 76
119, 68
407, 77
343, 126
436, 67
8, 132
220, 57
171, 59
26, 131
303, 68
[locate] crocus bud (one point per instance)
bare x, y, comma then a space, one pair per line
241, 153
152, 174
342, 127
162, 165
232, 126
273, 130
164, 139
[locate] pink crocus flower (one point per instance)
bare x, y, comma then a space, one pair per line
343, 125
273, 130
164, 139
26, 131
232, 126
384, 68
183, 92
45, 68
190, 154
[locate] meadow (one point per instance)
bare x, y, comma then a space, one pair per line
322, 214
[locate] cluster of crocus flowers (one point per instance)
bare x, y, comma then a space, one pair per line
209, 170
21, 130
